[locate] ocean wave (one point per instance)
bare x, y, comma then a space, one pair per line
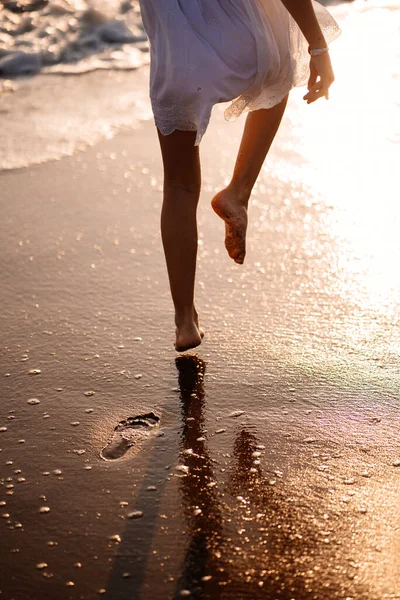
70, 36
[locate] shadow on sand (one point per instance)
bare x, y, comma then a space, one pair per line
246, 539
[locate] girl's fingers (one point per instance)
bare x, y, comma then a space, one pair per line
313, 90
321, 78
313, 77
318, 90
314, 95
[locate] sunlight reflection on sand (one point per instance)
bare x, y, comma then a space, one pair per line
348, 147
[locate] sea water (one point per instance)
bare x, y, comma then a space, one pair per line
75, 71
71, 72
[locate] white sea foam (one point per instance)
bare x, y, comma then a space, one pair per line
70, 36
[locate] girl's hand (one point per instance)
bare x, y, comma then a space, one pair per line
321, 78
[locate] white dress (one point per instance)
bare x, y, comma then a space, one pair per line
249, 52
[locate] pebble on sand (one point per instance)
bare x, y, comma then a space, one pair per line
135, 514
236, 413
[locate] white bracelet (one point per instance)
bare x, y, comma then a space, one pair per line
317, 51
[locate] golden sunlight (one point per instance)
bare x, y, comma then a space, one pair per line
353, 160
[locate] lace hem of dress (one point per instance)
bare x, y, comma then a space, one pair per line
295, 64
179, 117
267, 90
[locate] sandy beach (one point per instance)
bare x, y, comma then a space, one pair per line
264, 465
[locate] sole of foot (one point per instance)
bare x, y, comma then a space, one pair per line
130, 433
234, 213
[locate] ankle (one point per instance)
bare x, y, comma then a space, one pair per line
242, 192
185, 316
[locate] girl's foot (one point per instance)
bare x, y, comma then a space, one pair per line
196, 320
187, 336
188, 333
233, 210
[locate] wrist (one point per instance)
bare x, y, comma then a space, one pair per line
317, 51
316, 42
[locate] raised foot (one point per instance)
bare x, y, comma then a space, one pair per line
233, 211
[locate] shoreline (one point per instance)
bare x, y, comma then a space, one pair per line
48, 117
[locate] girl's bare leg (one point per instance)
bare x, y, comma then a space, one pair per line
231, 203
182, 183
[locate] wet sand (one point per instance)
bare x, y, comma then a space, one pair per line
273, 470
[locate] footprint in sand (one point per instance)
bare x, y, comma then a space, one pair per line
131, 432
